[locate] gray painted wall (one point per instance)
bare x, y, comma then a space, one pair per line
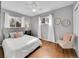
60, 30
27, 19
66, 12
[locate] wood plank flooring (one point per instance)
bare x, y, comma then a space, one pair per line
49, 50
52, 50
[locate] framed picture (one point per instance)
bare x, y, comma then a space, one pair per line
57, 21
65, 22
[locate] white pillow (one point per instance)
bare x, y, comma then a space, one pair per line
12, 35
21, 33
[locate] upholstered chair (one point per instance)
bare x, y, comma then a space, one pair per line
67, 42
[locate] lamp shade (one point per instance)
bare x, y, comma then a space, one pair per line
27, 25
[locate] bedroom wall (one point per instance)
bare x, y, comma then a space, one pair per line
66, 12
27, 20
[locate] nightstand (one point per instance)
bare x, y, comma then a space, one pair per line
28, 32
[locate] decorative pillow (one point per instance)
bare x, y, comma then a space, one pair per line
21, 33
12, 35
18, 34
6, 35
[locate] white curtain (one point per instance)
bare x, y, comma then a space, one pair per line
39, 27
51, 36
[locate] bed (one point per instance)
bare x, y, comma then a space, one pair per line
20, 47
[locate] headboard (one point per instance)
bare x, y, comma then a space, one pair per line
9, 30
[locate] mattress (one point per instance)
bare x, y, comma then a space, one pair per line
20, 47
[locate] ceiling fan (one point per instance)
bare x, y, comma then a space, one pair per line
34, 6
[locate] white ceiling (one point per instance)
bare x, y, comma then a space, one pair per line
43, 6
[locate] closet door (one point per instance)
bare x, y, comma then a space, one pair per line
46, 28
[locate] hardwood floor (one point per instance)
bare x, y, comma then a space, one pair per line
49, 50
52, 50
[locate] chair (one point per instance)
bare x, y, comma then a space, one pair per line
67, 42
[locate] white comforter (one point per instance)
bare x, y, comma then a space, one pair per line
20, 47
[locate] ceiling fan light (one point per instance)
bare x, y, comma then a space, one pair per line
34, 10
